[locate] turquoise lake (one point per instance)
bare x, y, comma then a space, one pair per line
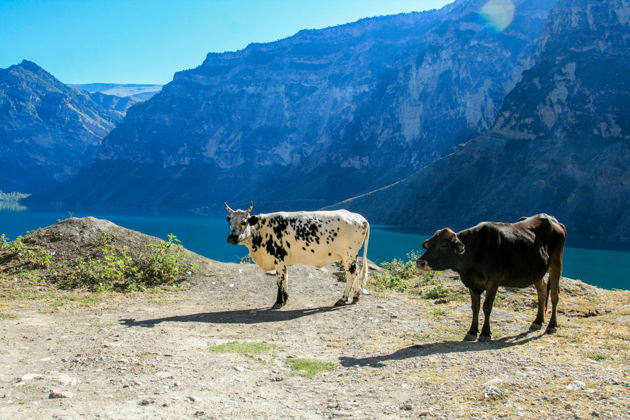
207, 236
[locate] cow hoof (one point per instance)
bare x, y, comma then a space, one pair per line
484, 338
340, 302
277, 306
535, 327
355, 300
551, 330
470, 337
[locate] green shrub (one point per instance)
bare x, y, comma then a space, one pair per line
33, 256
397, 275
114, 268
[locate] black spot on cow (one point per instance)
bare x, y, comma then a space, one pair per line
256, 242
353, 267
275, 250
288, 244
303, 248
329, 254
313, 251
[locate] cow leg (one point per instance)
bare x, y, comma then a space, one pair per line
542, 300
475, 299
554, 289
281, 282
350, 269
491, 292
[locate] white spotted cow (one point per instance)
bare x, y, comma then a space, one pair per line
279, 240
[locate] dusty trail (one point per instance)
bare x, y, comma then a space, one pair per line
148, 357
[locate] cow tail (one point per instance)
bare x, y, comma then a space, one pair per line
364, 267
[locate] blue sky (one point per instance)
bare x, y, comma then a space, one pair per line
146, 41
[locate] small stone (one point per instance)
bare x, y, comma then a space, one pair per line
31, 376
146, 401
107, 396
277, 379
575, 385
239, 368
406, 407
491, 391
60, 394
164, 375
192, 398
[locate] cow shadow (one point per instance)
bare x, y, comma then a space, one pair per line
442, 347
242, 316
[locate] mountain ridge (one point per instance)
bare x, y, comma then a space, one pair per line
314, 117
559, 144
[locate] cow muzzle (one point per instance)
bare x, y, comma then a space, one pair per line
232, 239
422, 265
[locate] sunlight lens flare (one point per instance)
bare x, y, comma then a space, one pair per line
497, 14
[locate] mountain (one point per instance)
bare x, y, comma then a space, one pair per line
118, 104
561, 143
119, 97
48, 130
139, 91
309, 120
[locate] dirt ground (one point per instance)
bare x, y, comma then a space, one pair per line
71, 355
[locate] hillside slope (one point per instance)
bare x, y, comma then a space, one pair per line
560, 145
48, 130
311, 119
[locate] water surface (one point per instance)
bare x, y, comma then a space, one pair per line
207, 236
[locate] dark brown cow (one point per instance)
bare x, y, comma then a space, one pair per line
491, 254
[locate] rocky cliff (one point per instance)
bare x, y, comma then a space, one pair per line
561, 143
47, 130
317, 117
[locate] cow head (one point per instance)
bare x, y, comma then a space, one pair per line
241, 223
442, 250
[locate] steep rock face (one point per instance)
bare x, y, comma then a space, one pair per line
561, 143
117, 104
47, 130
311, 119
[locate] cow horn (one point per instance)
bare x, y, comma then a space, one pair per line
228, 208
251, 207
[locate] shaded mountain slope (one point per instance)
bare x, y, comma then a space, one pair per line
47, 130
561, 143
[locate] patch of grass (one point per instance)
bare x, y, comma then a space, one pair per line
438, 313
7, 316
598, 357
309, 368
247, 347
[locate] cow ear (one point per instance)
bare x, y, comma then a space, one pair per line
425, 244
252, 220
459, 247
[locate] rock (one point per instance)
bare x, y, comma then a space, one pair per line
146, 401
491, 391
575, 385
63, 379
31, 376
60, 394
406, 407
192, 398
164, 375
